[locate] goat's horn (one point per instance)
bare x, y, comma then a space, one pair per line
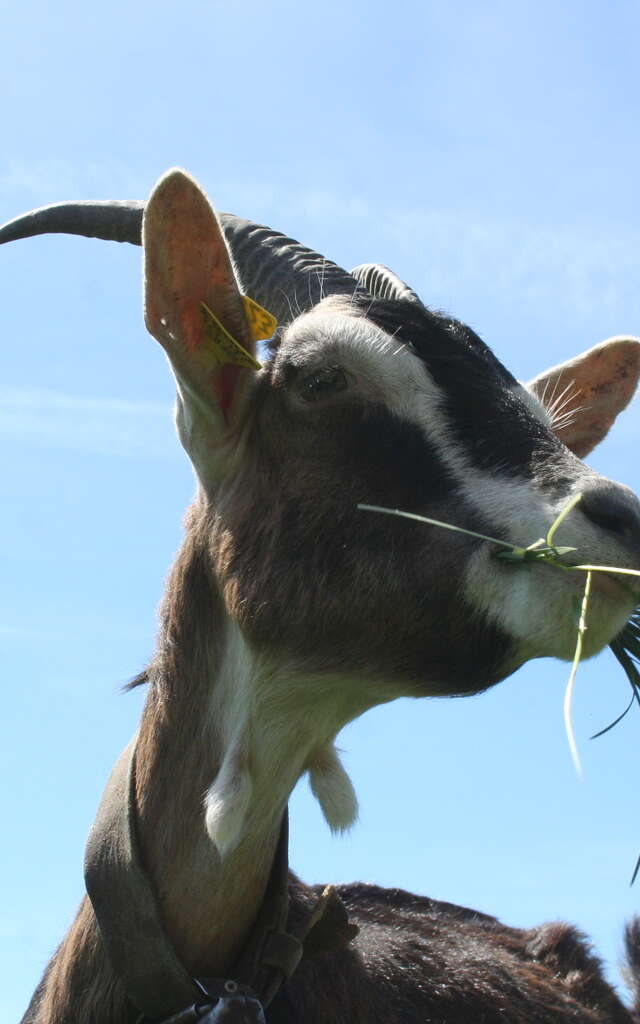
382, 283
276, 271
280, 273
111, 220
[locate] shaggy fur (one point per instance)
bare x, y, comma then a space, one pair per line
419, 961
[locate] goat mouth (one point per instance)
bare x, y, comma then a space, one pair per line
611, 586
611, 604
614, 583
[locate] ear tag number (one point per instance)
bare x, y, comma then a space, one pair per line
263, 324
223, 345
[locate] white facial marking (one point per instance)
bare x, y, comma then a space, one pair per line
387, 371
521, 602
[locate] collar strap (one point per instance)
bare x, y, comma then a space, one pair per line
125, 906
139, 949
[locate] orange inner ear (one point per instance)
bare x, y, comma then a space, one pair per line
598, 385
187, 263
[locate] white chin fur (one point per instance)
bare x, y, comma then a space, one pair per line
333, 789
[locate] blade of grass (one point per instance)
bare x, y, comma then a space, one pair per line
568, 696
626, 646
561, 517
603, 568
437, 522
616, 720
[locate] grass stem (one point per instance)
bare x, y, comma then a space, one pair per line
626, 646
561, 517
437, 522
568, 694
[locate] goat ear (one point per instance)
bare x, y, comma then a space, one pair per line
187, 264
584, 396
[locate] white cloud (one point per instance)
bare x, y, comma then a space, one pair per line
578, 269
53, 179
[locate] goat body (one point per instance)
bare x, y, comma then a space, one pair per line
290, 611
422, 960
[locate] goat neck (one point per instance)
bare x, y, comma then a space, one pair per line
223, 741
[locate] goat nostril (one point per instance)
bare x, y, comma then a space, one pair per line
612, 522
613, 510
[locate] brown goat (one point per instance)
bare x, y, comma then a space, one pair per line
290, 611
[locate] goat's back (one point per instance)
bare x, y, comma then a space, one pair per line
420, 960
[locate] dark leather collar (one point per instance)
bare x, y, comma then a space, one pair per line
139, 949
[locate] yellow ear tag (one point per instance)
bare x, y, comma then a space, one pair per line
223, 346
263, 324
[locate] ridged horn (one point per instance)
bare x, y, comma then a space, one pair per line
112, 220
281, 274
382, 283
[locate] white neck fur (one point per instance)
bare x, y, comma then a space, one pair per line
271, 727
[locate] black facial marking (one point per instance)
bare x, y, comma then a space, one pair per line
364, 453
493, 425
380, 595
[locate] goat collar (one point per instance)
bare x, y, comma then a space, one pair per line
140, 951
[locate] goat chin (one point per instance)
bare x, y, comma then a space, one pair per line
535, 606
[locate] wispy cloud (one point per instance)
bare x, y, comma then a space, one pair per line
579, 269
52, 179
17, 631
105, 426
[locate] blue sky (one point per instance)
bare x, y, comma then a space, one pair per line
489, 154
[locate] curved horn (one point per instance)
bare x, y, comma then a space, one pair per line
382, 283
280, 273
276, 271
112, 220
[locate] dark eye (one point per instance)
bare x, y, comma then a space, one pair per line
322, 383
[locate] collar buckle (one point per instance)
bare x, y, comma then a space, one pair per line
234, 1003
224, 1002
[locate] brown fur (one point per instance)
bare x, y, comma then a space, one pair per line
415, 959
419, 960
289, 612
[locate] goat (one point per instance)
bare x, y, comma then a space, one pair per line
289, 612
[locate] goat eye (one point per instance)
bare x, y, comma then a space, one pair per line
323, 383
